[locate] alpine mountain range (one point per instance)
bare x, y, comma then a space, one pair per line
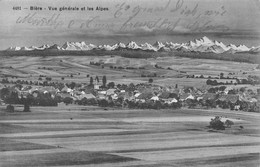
203, 45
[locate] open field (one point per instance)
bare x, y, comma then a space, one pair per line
91, 136
30, 68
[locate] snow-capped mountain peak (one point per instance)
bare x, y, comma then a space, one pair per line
158, 45
16, 48
54, 47
119, 46
255, 49
147, 46
105, 47
203, 41
78, 46
223, 46
132, 45
206, 40
201, 45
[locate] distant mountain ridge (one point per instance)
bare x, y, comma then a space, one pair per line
203, 45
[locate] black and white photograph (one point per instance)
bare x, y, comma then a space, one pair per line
130, 83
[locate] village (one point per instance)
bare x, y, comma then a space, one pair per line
100, 92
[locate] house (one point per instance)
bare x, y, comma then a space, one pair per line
186, 96
155, 98
164, 95
145, 95
111, 91
190, 97
97, 87
2, 102
26, 88
171, 100
174, 95
87, 96
76, 93
183, 96
126, 95
137, 94
114, 96
209, 96
230, 100
102, 96
33, 90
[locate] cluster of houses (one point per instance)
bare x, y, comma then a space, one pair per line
137, 96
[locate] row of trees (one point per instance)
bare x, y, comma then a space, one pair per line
12, 97
47, 82
128, 68
104, 80
242, 81
120, 102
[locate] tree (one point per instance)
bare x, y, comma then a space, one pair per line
104, 80
232, 91
111, 85
215, 82
103, 103
10, 108
4, 93
118, 86
217, 124
12, 98
209, 82
157, 105
212, 90
229, 123
243, 89
67, 100
222, 88
221, 75
97, 79
150, 80
91, 81
238, 81
131, 87
72, 85
27, 101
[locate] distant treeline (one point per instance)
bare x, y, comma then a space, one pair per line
238, 57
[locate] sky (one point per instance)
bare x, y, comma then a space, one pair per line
112, 21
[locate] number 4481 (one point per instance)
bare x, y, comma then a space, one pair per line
17, 8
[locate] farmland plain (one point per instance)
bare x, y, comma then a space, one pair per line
91, 136
165, 71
